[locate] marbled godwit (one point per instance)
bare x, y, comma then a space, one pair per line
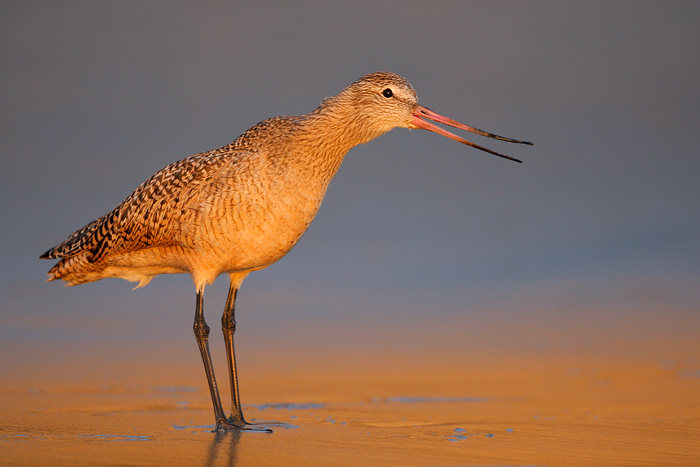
242, 207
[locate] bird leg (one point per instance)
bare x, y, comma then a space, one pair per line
201, 332
228, 326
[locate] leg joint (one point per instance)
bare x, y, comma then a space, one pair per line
201, 328
228, 322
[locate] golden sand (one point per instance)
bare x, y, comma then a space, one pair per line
466, 410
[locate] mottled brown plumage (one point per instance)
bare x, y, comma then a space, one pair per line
238, 208
241, 207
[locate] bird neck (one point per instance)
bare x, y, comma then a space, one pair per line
331, 131
340, 121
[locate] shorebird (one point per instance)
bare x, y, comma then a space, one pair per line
242, 207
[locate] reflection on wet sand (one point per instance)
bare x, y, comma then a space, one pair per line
223, 446
515, 410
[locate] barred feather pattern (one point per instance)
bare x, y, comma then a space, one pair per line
238, 208
145, 219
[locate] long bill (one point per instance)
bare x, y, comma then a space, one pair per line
420, 113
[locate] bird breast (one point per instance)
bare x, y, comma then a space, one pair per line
251, 213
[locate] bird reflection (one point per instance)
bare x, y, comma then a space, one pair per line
217, 448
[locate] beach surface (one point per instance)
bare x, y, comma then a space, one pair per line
510, 409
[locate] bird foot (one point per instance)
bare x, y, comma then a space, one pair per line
231, 425
240, 424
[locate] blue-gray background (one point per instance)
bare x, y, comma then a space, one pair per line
596, 234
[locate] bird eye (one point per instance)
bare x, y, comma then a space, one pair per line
387, 92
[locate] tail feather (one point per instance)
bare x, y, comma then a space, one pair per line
75, 254
75, 270
75, 243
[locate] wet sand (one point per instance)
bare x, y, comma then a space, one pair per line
460, 410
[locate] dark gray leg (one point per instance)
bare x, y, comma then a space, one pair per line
228, 325
201, 332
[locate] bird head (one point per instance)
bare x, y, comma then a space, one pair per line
382, 101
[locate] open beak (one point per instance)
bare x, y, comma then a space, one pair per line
420, 113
